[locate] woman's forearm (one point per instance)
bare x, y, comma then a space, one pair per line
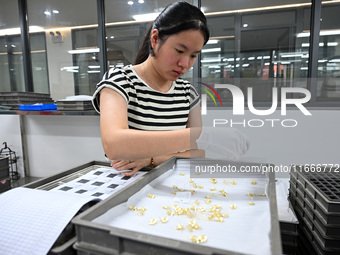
136, 144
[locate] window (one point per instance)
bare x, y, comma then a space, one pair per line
256, 47
11, 64
60, 64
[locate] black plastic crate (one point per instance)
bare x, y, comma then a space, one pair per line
324, 187
4, 167
323, 244
5, 185
331, 219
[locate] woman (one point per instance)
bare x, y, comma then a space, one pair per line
146, 110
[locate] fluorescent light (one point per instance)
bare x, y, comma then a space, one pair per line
291, 55
47, 13
211, 60
92, 67
146, 16
212, 41
130, 2
251, 58
335, 60
322, 33
83, 51
16, 30
55, 11
211, 50
332, 44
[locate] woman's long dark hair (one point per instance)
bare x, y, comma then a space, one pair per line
175, 18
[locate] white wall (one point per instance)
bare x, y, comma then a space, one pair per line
58, 143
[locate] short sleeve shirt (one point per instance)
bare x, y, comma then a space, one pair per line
147, 108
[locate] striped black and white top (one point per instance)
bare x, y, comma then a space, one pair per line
149, 109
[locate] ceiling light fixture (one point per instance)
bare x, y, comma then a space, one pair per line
146, 16
93, 50
211, 50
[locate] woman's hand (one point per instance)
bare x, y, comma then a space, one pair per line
135, 166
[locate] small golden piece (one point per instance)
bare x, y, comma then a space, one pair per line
223, 193
253, 182
170, 213
233, 206
151, 196
199, 239
207, 201
174, 186
208, 196
213, 189
213, 180
200, 186
191, 180
192, 192
197, 202
225, 182
164, 219
233, 182
219, 219
192, 226
153, 221
182, 174
179, 227
251, 203
132, 208
201, 209
165, 207
193, 239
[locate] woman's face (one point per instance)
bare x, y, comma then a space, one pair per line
177, 54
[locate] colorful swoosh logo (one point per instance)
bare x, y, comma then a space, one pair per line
210, 94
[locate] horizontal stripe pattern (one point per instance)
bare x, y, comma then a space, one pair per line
149, 109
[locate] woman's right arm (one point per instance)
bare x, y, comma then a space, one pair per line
120, 142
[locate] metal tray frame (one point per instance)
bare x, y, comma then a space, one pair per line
94, 238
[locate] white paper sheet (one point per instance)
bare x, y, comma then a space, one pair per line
246, 229
31, 220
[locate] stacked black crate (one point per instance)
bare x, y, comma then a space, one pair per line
14, 99
289, 236
315, 196
5, 180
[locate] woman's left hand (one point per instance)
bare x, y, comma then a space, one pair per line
135, 166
